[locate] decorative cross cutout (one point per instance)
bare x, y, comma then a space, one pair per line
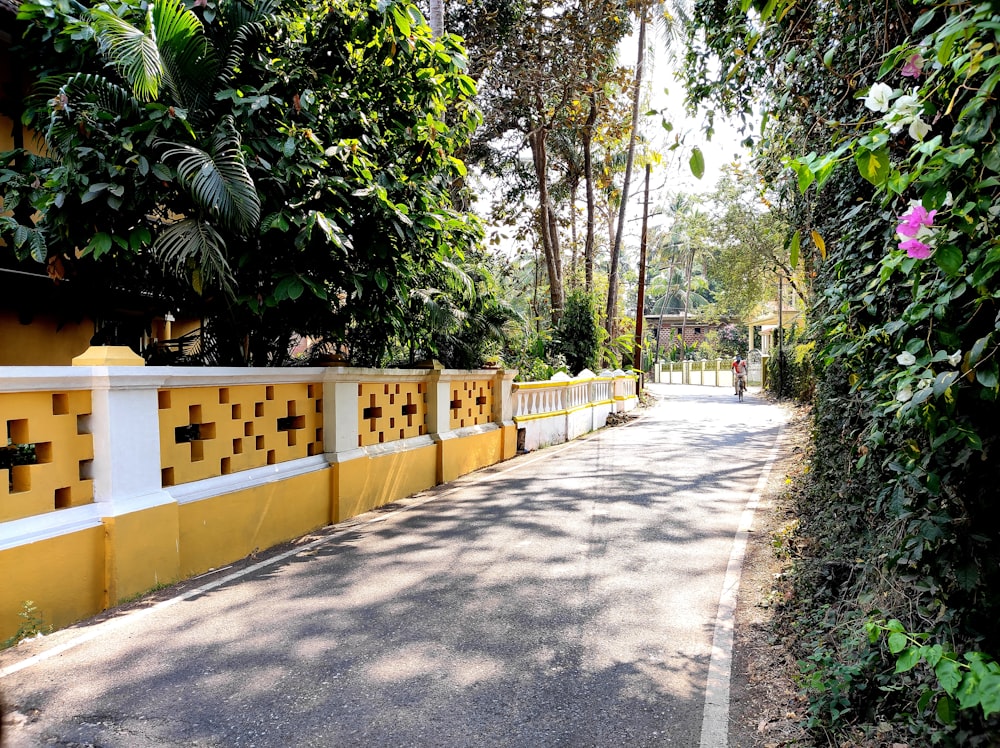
372, 413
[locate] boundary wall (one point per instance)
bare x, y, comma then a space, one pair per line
117, 478
142, 476
564, 408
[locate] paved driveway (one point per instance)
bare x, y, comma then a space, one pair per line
568, 597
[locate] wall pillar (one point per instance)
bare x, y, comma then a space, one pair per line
503, 411
140, 519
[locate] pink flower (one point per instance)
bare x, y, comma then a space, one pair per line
916, 248
913, 67
916, 217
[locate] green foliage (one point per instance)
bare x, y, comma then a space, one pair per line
790, 371
32, 624
968, 682
577, 337
905, 360
295, 165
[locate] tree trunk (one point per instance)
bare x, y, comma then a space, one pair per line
588, 175
436, 20
547, 221
575, 241
616, 249
640, 302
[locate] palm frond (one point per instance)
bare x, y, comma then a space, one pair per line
247, 34
188, 60
77, 97
132, 51
218, 180
194, 250
462, 280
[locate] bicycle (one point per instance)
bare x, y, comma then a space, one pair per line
741, 386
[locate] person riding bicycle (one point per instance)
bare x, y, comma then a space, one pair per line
739, 373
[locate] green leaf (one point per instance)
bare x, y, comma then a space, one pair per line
991, 159
793, 249
805, 176
99, 244
908, 658
987, 377
401, 21
946, 710
948, 674
873, 165
897, 642
977, 349
949, 258
697, 162
989, 698
923, 19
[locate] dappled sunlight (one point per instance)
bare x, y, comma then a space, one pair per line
566, 599
413, 662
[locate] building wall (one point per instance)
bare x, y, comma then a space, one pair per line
43, 342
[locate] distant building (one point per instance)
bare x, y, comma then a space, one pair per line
670, 327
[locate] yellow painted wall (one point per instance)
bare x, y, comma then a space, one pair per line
368, 482
42, 343
50, 422
142, 551
461, 456
63, 576
78, 575
217, 531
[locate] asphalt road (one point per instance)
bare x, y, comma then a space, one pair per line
568, 597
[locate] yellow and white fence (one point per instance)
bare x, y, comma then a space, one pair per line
564, 408
116, 479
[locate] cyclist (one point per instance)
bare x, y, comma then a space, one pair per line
739, 372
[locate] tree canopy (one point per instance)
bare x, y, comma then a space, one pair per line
294, 165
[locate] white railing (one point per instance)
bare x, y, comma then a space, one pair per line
563, 408
709, 373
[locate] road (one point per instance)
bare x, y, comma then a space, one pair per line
568, 597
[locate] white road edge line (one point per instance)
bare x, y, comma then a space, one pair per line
715, 720
110, 625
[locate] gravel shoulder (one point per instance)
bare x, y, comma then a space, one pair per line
767, 710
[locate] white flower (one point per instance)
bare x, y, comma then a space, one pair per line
949, 199
919, 129
904, 394
907, 105
878, 97
906, 359
904, 111
955, 358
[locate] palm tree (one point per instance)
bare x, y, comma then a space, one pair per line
171, 62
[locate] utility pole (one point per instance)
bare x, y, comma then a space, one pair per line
781, 332
640, 302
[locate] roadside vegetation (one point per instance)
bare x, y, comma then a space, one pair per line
879, 142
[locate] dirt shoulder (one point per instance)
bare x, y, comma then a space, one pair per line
766, 710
